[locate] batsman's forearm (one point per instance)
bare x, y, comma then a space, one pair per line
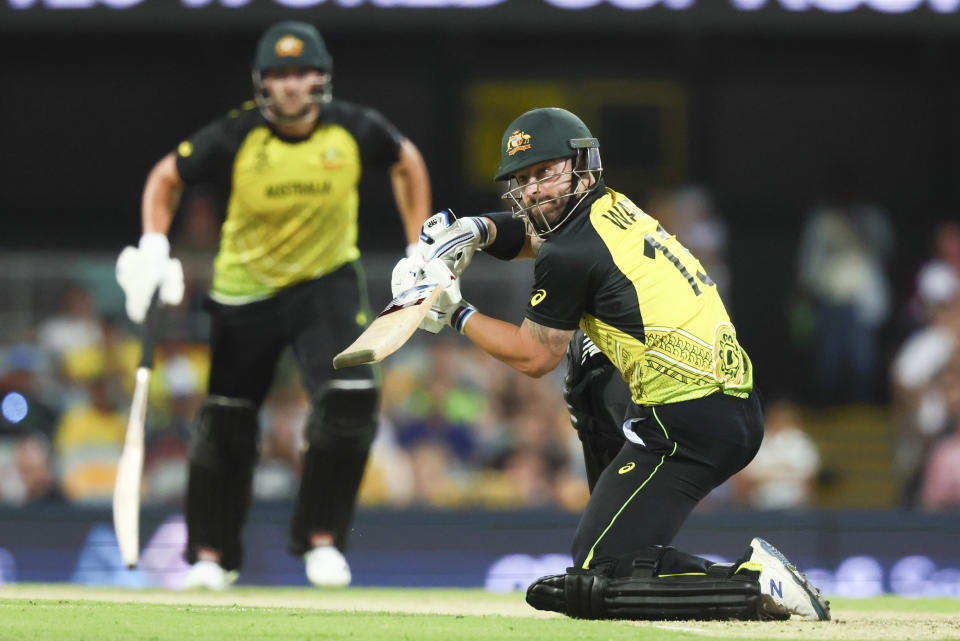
161, 195
508, 343
507, 238
411, 190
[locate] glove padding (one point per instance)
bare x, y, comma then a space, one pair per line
450, 309
406, 274
411, 272
437, 271
143, 270
452, 240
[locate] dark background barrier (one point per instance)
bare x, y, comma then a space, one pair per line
848, 553
766, 109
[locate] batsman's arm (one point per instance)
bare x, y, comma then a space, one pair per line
148, 268
161, 195
411, 190
531, 348
508, 237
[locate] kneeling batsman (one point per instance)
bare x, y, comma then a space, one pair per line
655, 582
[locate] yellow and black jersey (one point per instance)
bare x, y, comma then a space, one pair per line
292, 206
643, 299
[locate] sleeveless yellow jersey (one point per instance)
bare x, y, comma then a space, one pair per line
643, 299
291, 212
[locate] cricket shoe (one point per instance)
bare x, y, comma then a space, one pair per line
326, 567
209, 575
783, 588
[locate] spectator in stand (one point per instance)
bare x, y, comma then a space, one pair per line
33, 459
783, 472
936, 276
940, 489
947, 244
76, 325
702, 230
920, 394
23, 405
844, 248
88, 442
26, 471
436, 427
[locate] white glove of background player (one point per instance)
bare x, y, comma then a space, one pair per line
142, 270
453, 240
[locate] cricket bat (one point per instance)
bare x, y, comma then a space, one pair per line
391, 328
126, 491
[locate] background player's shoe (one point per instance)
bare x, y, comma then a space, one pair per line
209, 575
326, 567
783, 588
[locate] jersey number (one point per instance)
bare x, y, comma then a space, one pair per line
650, 247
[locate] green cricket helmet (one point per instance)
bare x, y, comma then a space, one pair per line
291, 44
548, 134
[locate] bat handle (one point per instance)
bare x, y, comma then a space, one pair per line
148, 334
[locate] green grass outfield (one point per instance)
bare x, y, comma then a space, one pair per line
65, 612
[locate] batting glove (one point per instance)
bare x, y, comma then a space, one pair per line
146, 269
436, 271
452, 240
406, 274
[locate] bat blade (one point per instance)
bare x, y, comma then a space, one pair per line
126, 491
391, 328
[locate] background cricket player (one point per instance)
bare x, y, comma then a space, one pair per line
650, 308
287, 274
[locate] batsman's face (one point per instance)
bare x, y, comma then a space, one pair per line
545, 187
292, 89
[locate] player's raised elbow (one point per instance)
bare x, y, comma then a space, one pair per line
540, 349
538, 366
538, 372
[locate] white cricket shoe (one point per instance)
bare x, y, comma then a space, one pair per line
783, 588
326, 567
209, 575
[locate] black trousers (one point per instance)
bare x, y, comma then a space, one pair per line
317, 318
676, 455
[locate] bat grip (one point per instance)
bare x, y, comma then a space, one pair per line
148, 335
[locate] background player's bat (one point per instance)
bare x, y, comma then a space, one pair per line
391, 328
126, 492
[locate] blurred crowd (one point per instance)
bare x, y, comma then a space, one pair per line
459, 429
925, 381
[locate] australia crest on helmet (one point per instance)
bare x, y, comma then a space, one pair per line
289, 46
518, 141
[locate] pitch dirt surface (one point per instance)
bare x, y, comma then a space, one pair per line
853, 619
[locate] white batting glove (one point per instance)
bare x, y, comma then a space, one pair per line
405, 274
143, 270
436, 271
452, 240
